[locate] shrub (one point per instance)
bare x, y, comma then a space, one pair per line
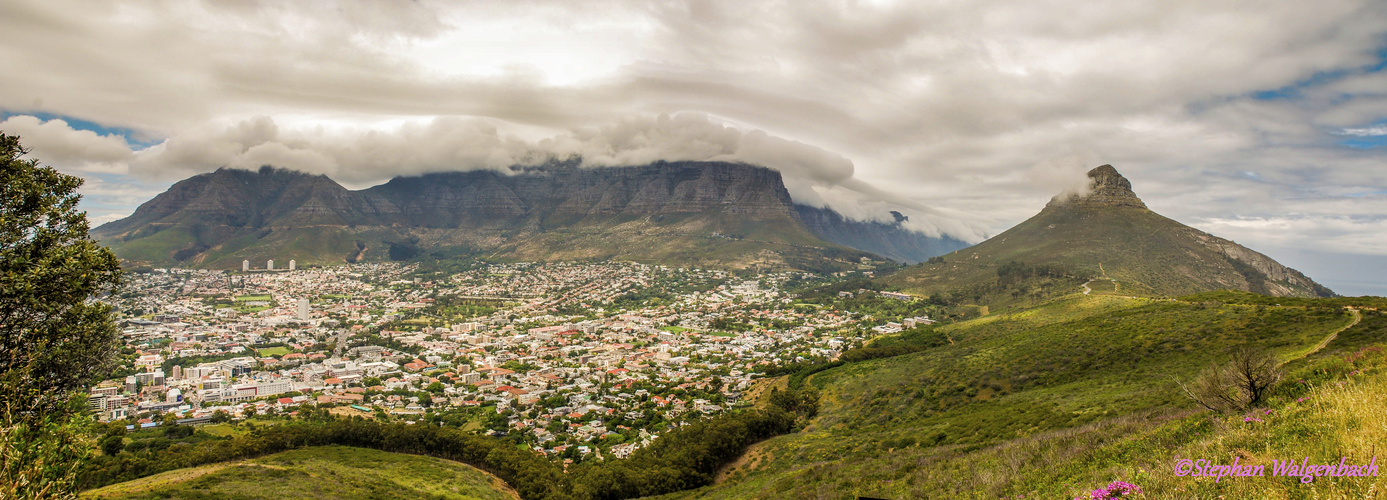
1241, 383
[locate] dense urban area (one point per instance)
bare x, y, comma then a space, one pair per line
574, 360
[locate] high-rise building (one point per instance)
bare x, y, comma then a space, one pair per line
245, 265
303, 309
270, 265
177, 372
292, 264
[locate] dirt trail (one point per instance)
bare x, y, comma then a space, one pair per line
1332, 335
1103, 276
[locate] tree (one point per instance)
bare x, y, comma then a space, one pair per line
1241, 383
220, 417
53, 337
111, 445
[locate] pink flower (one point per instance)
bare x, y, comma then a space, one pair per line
1117, 489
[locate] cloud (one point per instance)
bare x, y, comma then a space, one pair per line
351, 155
58, 144
1365, 132
970, 117
1342, 234
364, 156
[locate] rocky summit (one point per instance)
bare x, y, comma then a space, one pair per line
1105, 236
1106, 187
687, 213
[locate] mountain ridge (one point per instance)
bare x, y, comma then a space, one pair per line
700, 212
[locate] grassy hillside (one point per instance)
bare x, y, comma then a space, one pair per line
978, 415
327, 472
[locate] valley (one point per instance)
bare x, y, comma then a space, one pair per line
570, 361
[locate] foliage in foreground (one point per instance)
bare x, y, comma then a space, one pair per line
53, 339
683, 458
39, 458
337, 472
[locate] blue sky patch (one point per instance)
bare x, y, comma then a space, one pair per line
132, 136
1292, 91
1369, 142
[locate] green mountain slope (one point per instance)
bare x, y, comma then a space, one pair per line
1107, 234
1092, 369
326, 472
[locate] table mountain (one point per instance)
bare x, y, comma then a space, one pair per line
1108, 232
690, 213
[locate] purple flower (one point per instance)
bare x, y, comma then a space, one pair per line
1251, 419
1116, 489
1268, 412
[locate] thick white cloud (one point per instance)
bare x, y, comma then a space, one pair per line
968, 117
364, 156
59, 145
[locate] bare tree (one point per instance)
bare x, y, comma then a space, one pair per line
1241, 383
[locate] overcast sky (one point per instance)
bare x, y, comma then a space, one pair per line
1261, 121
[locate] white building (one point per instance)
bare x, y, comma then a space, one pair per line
245, 265
270, 265
303, 303
292, 264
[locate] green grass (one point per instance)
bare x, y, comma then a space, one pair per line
674, 329
220, 430
273, 351
327, 472
902, 427
254, 298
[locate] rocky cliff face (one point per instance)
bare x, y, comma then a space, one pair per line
1106, 187
491, 198
554, 211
